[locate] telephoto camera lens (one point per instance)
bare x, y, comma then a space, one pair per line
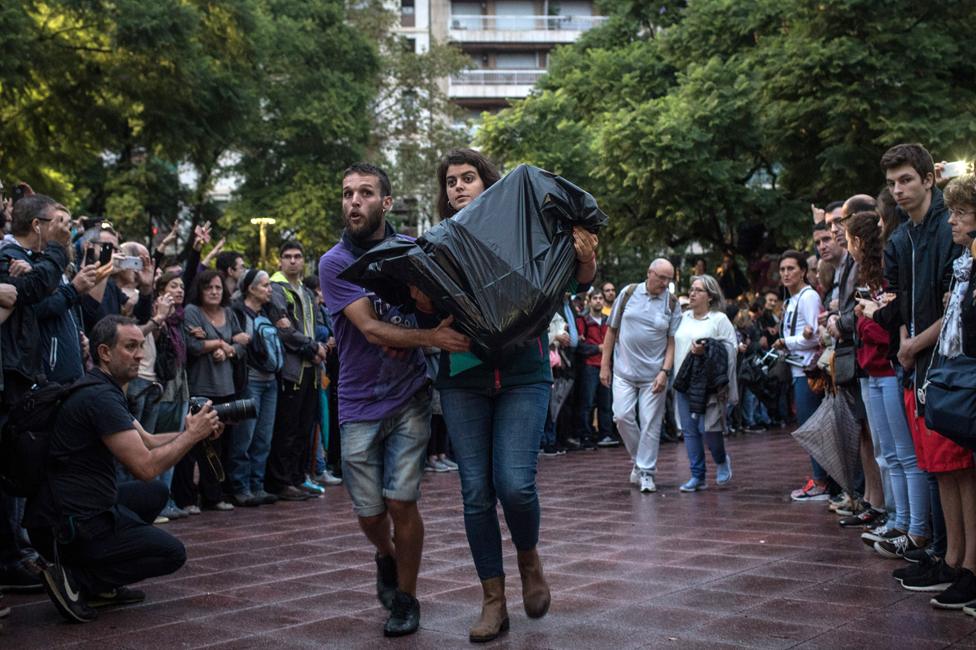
236, 411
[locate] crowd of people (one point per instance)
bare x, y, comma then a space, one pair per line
208, 384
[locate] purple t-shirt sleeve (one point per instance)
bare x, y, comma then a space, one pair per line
338, 294
372, 384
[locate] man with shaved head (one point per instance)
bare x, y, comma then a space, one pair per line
638, 357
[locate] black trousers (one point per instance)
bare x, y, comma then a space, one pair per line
294, 420
118, 547
438, 435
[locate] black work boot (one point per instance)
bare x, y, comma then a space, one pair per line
404, 617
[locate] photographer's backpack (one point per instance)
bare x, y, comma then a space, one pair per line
25, 438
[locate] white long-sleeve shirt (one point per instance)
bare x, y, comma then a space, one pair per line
805, 308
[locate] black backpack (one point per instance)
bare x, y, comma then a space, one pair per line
26, 437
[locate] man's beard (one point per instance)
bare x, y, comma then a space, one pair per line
370, 225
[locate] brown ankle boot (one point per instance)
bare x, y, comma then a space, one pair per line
494, 612
535, 589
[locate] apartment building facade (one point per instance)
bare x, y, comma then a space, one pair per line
508, 41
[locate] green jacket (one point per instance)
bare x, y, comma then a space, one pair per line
520, 366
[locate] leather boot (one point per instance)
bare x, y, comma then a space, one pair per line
535, 589
494, 612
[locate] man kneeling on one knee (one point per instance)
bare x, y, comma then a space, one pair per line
95, 533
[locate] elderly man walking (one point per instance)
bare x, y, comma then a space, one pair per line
638, 356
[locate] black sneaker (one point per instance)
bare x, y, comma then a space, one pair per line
65, 594
588, 444
386, 580
877, 534
923, 555
404, 617
608, 441
573, 444
550, 450
960, 593
914, 570
867, 518
117, 597
938, 577
23, 577
896, 547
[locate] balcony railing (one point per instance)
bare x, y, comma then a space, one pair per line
524, 23
498, 77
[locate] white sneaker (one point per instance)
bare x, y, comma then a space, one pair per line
635, 476
326, 478
647, 483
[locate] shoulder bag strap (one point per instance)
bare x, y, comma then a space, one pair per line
624, 299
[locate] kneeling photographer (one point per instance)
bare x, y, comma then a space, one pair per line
96, 533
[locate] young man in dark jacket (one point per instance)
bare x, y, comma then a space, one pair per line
918, 269
298, 396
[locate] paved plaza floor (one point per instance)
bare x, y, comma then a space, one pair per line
739, 566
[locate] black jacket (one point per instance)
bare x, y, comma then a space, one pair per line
20, 337
918, 270
703, 375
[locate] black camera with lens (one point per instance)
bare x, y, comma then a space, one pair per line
235, 411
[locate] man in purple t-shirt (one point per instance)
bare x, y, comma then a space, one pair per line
384, 398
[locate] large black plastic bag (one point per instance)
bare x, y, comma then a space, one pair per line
499, 266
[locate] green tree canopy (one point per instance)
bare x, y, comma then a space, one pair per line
719, 122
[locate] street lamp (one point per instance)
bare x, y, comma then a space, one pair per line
263, 222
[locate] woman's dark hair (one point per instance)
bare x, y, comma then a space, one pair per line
486, 170
165, 279
889, 214
800, 258
864, 226
201, 281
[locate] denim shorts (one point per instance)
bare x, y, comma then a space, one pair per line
384, 459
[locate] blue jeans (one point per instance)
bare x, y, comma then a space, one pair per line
591, 392
495, 438
806, 403
251, 439
753, 411
144, 403
171, 416
884, 402
692, 426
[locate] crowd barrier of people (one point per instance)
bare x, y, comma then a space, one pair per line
207, 384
